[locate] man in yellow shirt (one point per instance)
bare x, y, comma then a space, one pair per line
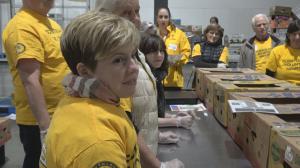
89, 132
31, 42
255, 52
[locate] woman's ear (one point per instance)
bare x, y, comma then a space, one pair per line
83, 70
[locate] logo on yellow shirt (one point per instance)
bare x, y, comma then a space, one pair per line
105, 164
20, 48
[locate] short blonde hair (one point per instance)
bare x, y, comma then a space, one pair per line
96, 35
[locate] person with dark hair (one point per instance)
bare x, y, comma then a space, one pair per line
213, 20
284, 60
177, 46
211, 53
156, 56
255, 52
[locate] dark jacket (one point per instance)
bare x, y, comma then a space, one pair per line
247, 59
210, 55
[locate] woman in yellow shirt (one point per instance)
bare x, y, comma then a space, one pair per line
211, 53
178, 48
284, 60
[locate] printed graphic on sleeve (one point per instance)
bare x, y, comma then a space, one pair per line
105, 164
20, 48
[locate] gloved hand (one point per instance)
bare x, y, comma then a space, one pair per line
173, 59
185, 121
168, 137
175, 163
221, 65
43, 134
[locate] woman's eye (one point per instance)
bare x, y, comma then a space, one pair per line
118, 60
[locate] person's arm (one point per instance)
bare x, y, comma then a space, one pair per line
224, 56
243, 57
29, 71
271, 67
148, 158
199, 63
185, 49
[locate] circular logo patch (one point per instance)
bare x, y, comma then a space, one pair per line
20, 48
105, 164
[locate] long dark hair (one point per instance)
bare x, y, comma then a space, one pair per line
173, 27
153, 43
293, 27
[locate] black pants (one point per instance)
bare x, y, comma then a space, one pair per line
30, 138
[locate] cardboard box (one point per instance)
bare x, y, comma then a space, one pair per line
285, 146
256, 137
213, 79
222, 91
280, 11
5, 134
201, 72
252, 131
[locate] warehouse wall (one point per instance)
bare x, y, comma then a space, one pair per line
234, 15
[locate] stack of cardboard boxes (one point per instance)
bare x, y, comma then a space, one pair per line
258, 134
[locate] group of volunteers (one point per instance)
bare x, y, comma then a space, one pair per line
92, 95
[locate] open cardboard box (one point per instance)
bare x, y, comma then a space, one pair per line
252, 131
200, 86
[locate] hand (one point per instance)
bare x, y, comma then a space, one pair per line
173, 59
168, 137
43, 134
192, 113
221, 65
185, 122
175, 163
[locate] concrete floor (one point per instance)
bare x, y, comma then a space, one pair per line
15, 154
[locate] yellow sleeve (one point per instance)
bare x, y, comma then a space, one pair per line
102, 154
196, 50
224, 56
27, 44
272, 61
126, 104
185, 48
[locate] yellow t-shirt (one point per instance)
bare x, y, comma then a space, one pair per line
30, 35
285, 62
224, 55
176, 44
126, 104
262, 52
88, 133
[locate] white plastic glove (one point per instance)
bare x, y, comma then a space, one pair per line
185, 121
168, 137
221, 65
173, 59
175, 163
43, 134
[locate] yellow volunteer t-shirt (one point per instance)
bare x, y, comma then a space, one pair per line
176, 44
262, 52
88, 133
285, 62
126, 104
30, 35
224, 55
